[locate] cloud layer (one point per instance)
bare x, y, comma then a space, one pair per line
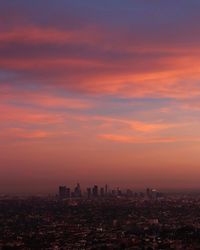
100, 84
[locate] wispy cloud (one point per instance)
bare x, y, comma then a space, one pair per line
137, 139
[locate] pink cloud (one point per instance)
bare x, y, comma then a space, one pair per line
35, 34
10, 113
137, 139
43, 99
26, 134
146, 70
136, 125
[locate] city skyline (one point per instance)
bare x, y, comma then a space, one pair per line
99, 92
95, 191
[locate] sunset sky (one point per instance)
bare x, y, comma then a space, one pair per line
99, 92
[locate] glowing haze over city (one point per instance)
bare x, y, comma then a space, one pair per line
104, 92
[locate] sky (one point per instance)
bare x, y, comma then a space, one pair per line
99, 92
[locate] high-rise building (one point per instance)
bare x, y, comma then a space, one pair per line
77, 191
113, 192
154, 194
62, 192
95, 191
68, 193
148, 193
119, 192
106, 190
102, 193
89, 192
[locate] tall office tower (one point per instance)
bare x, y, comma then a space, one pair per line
95, 191
62, 192
154, 194
113, 192
68, 192
77, 191
89, 192
119, 192
106, 190
148, 193
102, 193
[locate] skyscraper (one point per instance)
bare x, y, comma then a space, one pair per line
62, 192
106, 189
68, 193
102, 193
148, 193
95, 191
77, 191
89, 192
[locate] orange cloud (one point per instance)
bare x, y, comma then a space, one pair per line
103, 66
136, 124
11, 113
28, 134
50, 101
137, 139
43, 99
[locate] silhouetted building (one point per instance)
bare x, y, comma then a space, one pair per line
68, 193
154, 194
62, 192
95, 191
151, 193
119, 192
77, 191
113, 192
106, 189
89, 192
102, 193
148, 193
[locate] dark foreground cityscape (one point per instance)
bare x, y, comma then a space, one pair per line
100, 218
